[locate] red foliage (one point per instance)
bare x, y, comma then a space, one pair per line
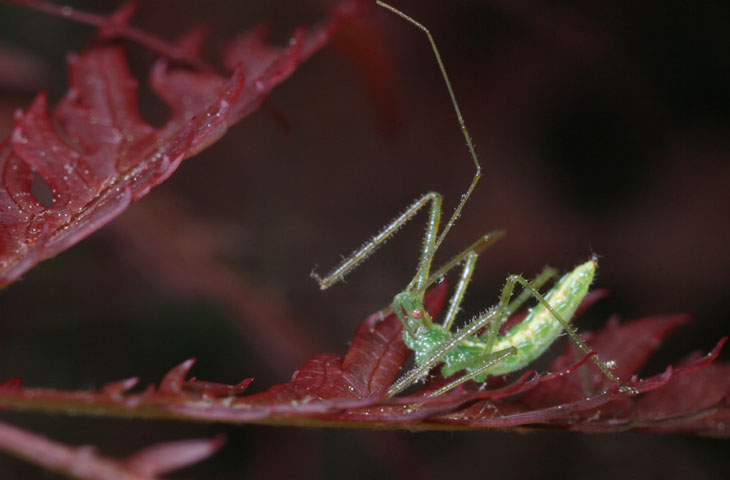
85, 463
349, 390
98, 155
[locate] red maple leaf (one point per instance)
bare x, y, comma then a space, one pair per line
349, 390
95, 152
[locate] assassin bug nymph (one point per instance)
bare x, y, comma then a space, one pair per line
478, 349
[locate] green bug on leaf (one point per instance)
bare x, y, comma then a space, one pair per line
477, 348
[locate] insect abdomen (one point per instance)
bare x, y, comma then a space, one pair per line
540, 328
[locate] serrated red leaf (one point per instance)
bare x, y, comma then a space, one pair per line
97, 154
349, 390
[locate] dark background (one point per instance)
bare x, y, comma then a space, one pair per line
601, 129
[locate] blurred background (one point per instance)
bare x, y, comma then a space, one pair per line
601, 128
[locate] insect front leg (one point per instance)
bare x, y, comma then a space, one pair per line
427, 251
410, 310
476, 248
469, 257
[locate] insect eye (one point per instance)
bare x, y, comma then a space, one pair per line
417, 314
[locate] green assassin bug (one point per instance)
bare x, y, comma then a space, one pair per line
478, 349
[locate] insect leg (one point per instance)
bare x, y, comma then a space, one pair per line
466, 332
513, 279
493, 317
477, 247
526, 351
475, 367
455, 302
484, 242
371, 245
460, 118
469, 257
547, 274
431, 241
498, 315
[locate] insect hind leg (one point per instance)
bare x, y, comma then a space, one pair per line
545, 276
427, 252
569, 329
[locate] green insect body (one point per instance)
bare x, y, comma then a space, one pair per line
477, 349
531, 337
540, 328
